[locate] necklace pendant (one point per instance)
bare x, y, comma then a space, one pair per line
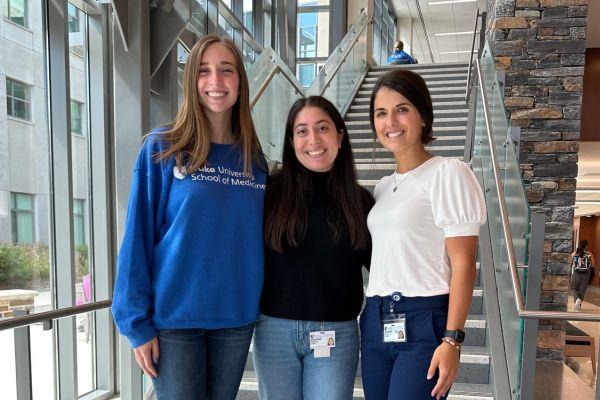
395, 187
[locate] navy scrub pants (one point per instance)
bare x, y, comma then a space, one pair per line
398, 371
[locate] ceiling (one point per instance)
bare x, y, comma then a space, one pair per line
439, 19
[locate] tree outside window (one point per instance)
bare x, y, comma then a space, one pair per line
16, 11
79, 222
17, 99
22, 216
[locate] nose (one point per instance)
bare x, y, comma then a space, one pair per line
313, 137
215, 77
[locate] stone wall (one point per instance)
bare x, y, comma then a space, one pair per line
16, 299
540, 44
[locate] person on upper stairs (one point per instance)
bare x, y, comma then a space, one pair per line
399, 56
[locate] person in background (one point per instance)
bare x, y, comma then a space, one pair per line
400, 56
424, 228
306, 339
190, 268
582, 263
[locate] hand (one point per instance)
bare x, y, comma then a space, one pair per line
446, 359
146, 356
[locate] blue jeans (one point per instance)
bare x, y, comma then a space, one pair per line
201, 364
399, 370
287, 369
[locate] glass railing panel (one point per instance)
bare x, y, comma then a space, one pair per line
272, 106
516, 203
270, 114
340, 74
8, 373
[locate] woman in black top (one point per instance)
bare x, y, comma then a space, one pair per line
306, 339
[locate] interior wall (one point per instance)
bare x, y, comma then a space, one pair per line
591, 96
354, 9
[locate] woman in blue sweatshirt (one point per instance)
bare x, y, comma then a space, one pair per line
190, 268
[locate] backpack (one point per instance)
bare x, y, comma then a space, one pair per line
582, 264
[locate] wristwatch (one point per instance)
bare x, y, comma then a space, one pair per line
457, 336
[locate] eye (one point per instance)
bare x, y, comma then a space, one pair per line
228, 70
403, 109
323, 128
380, 114
301, 132
204, 71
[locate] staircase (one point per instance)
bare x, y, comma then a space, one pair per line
447, 84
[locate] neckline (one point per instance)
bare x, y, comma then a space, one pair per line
400, 175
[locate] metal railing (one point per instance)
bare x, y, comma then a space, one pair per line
508, 239
47, 316
276, 70
483, 16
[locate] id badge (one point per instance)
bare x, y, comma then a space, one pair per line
321, 343
394, 328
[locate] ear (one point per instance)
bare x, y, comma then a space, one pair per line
340, 136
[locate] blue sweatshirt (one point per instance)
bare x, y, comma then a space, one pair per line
400, 56
192, 252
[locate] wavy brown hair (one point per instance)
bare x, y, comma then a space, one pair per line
289, 191
188, 135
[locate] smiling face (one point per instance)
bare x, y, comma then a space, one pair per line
218, 80
315, 139
397, 122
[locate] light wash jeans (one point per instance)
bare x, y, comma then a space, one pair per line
287, 369
201, 364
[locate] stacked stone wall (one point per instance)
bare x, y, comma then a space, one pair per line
540, 45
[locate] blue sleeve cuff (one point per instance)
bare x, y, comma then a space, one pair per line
142, 335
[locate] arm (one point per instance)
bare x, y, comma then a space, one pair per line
461, 252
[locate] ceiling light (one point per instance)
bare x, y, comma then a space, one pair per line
457, 52
439, 3
454, 33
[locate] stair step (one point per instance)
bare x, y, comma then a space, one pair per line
439, 108
460, 391
416, 67
450, 76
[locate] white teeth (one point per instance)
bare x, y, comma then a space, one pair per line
216, 94
392, 135
316, 152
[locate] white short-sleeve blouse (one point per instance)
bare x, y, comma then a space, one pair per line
440, 198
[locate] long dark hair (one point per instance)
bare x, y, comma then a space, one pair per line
413, 87
289, 191
581, 248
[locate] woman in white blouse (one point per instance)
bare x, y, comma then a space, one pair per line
424, 228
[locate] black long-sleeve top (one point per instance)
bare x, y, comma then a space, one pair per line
321, 278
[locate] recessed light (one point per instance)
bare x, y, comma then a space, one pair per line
438, 3
454, 33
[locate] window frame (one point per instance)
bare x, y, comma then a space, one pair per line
79, 117
11, 99
9, 17
16, 212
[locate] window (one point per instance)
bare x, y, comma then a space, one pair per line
16, 11
21, 206
79, 222
73, 18
307, 37
76, 117
248, 18
17, 99
306, 74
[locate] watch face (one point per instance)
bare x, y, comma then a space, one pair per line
458, 336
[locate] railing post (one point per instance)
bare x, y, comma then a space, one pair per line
23, 360
530, 328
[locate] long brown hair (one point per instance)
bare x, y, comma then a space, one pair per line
189, 134
288, 192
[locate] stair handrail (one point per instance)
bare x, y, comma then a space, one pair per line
274, 71
508, 239
483, 16
353, 35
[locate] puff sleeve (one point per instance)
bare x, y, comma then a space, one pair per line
457, 200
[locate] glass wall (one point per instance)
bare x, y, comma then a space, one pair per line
312, 39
